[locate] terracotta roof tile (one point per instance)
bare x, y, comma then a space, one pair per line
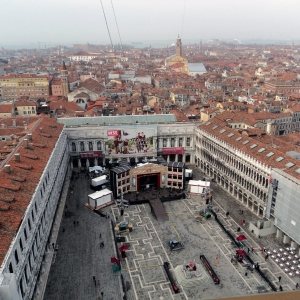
18, 187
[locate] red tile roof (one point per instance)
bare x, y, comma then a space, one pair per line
15, 195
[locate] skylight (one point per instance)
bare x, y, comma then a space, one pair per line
246, 142
230, 134
208, 123
253, 146
238, 139
270, 154
261, 150
215, 127
289, 164
280, 158
222, 131
298, 171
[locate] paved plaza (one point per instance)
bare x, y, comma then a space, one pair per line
79, 257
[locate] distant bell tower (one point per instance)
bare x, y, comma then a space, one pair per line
64, 80
178, 46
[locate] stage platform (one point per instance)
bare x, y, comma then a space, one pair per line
158, 210
164, 194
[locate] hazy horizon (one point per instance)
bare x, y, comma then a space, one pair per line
69, 22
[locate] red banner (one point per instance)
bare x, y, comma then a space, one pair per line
175, 150
91, 154
113, 132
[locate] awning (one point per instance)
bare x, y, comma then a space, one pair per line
241, 252
114, 260
174, 150
123, 248
241, 238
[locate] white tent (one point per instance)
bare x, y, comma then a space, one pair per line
100, 198
198, 186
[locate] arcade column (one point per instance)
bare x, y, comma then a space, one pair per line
161, 143
79, 163
154, 144
286, 239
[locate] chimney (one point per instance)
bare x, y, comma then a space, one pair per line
41, 129
14, 123
29, 135
25, 126
31, 147
14, 145
2, 126
7, 168
17, 139
26, 143
17, 157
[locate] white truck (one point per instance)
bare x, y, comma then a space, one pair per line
99, 183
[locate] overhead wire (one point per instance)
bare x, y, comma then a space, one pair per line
117, 25
112, 46
183, 18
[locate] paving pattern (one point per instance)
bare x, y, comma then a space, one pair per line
80, 257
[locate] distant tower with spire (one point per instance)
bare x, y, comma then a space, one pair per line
178, 47
64, 80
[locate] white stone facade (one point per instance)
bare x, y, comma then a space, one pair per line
91, 138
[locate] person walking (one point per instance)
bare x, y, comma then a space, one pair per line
248, 250
280, 288
53, 245
267, 256
279, 278
252, 249
100, 235
297, 285
217, 261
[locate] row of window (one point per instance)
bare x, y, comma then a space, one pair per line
90, 146
180, 142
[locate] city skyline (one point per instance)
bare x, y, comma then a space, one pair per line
82, 22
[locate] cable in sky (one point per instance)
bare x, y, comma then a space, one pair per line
183, 18
117, 25
112, 46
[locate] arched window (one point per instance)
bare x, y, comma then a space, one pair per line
90, 146
81, 146
16, 256
74, 147
98, 145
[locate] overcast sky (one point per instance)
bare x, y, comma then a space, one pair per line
81, 21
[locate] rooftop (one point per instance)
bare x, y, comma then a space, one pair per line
114, 120
17, 187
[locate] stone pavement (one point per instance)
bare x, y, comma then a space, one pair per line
79, 256
227, 203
